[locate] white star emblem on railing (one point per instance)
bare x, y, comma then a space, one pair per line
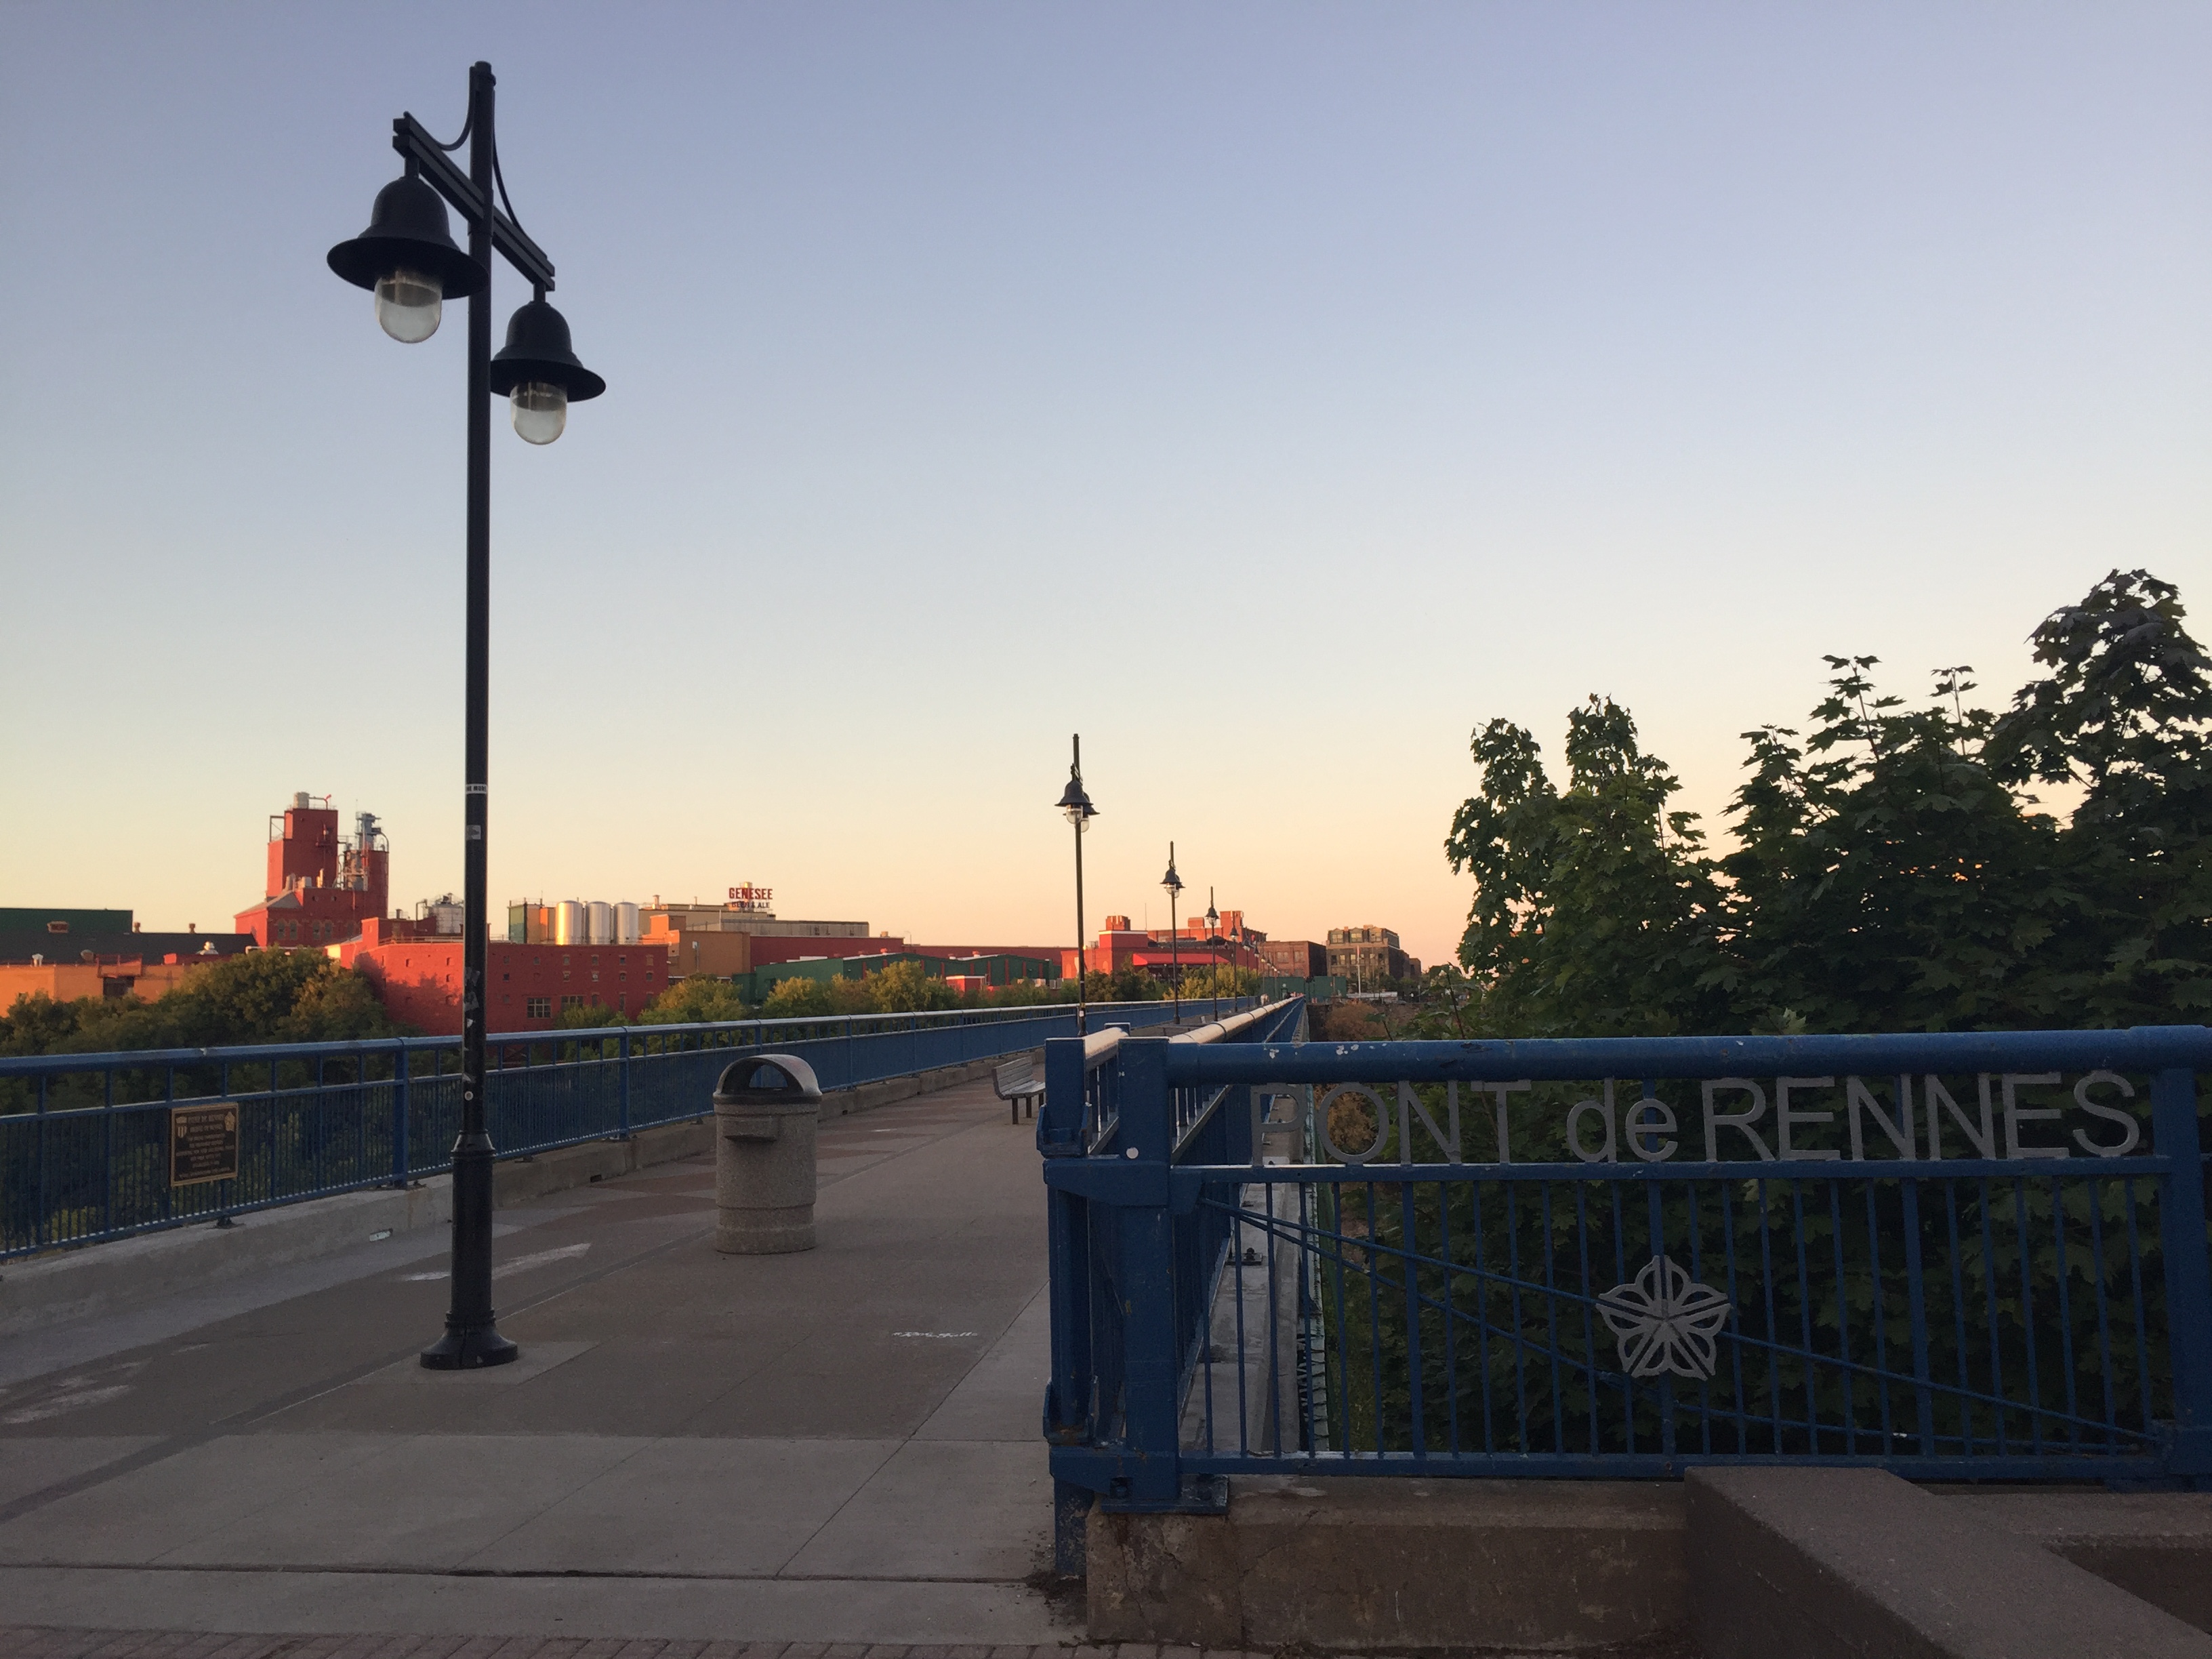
1666, 1321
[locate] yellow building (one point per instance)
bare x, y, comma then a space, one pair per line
701, 950
66, 981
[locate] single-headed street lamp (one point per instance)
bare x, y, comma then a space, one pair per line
1213, 949
1080, 812
407, 258
1173, 882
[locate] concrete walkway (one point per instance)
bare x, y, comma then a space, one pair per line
837, 1447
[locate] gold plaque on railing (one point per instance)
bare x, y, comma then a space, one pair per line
202, 1145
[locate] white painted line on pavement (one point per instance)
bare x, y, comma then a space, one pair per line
520, 1265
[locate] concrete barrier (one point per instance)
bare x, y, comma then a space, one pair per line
2156, 1545
1395, 1564
119, 1275
1840, 1564
1764, 1562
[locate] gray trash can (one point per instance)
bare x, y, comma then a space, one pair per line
765, 1112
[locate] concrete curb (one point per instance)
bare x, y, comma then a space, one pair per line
1339, 1562
1756, 1562
1841, 1563
121, 1274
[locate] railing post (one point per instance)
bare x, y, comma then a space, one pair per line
40, 1226
622, 1059
2188, 1275
399, 1113
1150, 1360
1067, 1245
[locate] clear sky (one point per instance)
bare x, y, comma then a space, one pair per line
1271, 393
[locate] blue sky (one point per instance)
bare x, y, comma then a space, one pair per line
1271, 393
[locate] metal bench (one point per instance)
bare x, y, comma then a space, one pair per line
1016, 1083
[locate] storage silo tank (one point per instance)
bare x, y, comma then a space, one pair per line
569, 923
626, 923
601, 920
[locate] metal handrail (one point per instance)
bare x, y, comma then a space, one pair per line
30, 1064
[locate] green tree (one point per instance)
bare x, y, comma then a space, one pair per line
590, 1016
2126, 713
257, 996
1884, 879
1595, 908
1890, 870
696, 999
796, 998
1027, 993
1228, 981
36, 1024
908, 988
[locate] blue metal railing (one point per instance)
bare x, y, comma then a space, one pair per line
84, 1139
1956, 1256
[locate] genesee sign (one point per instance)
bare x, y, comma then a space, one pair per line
202, 1145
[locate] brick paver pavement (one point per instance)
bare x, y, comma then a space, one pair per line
25, 1642
46, 1644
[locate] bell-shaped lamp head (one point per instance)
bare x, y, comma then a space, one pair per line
1212, 915
1172, 881
538, 373
1075, 802
407, 258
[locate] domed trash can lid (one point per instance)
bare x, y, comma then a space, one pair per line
768, 1080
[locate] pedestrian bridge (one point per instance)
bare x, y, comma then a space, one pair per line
834, 1448
1234, 1273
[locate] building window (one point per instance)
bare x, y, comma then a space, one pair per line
539, 1008
622, 978
595, 976
564, 973
567, 1003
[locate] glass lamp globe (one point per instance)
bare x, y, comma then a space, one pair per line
541, 411
408, 303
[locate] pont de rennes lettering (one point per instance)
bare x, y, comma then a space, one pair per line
2014, 1115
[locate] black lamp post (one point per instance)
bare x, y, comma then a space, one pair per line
407, 256
1213, 949
1173, 882
1080, 812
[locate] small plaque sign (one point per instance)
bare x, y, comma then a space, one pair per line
202, 1145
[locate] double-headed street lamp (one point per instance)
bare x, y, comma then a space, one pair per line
407, 256
1080, 812
1173, 882
1213, 949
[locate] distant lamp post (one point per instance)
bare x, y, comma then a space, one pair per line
1080, 812
408, 259
1173, 882
1213, 949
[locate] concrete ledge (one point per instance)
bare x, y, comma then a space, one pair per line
132, 1272
2156, 1545
1396, 1564
1842, 1563
120, 1274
